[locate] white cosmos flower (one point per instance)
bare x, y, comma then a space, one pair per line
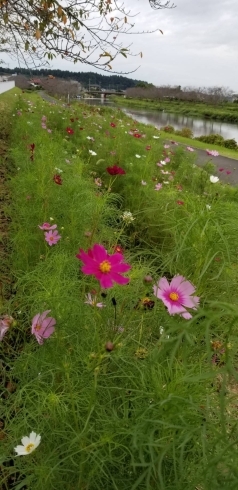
137, 156
92, 152
58, 170
29, 444
214, 179
208, 206
127, 216
156, 137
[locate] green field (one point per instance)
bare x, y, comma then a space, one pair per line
128, 389
226, 112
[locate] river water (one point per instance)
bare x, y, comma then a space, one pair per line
159, 118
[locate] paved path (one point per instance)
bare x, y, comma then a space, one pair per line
228, 164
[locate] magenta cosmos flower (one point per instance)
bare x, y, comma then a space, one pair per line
52, 237
106, 268
42, 327
115, 170
177, 295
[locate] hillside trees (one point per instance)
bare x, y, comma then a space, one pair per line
78, 31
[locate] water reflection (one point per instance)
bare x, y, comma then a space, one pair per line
158, 119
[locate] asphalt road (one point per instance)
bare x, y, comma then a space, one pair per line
220, 162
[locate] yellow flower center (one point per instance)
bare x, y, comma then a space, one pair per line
105, 266
29, 447
174, 296
37, 327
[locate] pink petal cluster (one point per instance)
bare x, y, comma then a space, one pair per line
93, 301
158, 187
47, 226
52, 237
213, 153
5, 323
189, 148
106, 268
177, 295
42, 326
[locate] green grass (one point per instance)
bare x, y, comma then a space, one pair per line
226, 112
158, 408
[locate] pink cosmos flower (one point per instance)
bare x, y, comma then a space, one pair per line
174, 142
5, 323
180, 203
228, 172
93, 301
52, 237
148, 147
213, 153
221, 169
42, 327
161, 163
106, 268
189, 148
167, 160
166, 146
177, 295
47, 226
158, 187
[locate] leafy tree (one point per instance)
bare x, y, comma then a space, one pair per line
79, 31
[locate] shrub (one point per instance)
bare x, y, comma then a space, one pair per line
168, 129
230, 143
214, 139
185, 132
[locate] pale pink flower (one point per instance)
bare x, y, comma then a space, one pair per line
189, 148
177, 295
42, 327
158, 187
49, 130
166, 146
52, 237
93, 301
167, 160
98, 182
213, 153
5, 323
47, 226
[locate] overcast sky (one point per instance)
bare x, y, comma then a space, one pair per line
199, 46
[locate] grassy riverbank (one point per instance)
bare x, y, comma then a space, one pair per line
226, 112
226, 152
124, 394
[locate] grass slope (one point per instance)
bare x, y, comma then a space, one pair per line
125, 396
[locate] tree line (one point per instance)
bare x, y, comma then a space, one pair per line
105, 81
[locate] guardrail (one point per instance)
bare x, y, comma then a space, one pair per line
5, 86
